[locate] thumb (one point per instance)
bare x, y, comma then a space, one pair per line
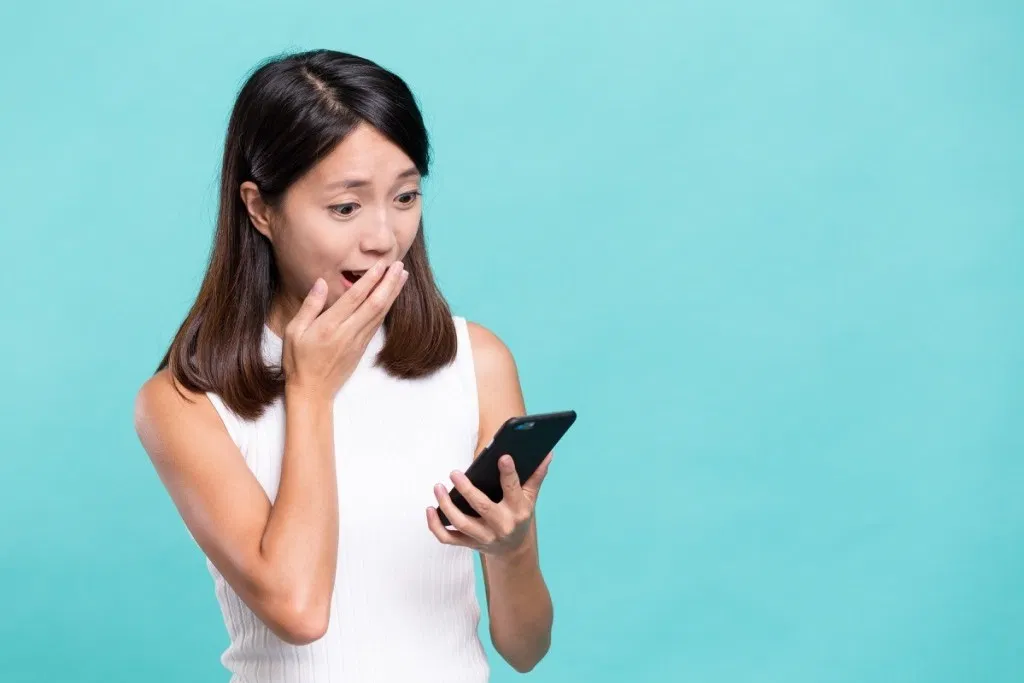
509, 477
311, 307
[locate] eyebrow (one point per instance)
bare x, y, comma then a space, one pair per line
352, 183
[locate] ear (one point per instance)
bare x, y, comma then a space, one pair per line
259, 212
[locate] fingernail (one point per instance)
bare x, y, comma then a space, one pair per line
319, 286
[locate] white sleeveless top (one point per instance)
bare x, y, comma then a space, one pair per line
404, 606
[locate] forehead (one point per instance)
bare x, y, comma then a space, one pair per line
364, 154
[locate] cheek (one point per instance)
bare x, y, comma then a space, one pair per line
309, 249
405, 233
316, 238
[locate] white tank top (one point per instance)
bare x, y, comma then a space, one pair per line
404, 606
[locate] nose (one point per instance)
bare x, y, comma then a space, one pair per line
378, 236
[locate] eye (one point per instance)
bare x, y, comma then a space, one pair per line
345, 209
408, 198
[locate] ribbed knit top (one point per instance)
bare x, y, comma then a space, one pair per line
404, 606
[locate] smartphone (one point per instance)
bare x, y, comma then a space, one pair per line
528, 439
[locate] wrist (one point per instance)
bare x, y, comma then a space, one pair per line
523, 556
305, 403
299, 395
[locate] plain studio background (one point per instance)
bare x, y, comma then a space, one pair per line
771, 252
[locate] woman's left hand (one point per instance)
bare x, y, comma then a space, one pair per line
501, 527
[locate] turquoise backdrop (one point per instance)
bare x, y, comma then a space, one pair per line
772, 253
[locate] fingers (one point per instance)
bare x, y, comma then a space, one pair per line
496, 515
348, 302
473, 528
444, 535
375, 307
501, 518
310, 308
389, 300
532, 485
498, 522
509, 480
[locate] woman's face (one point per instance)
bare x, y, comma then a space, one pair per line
359, 204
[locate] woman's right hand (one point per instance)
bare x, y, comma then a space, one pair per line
322, 350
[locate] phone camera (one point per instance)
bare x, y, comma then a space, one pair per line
525, 425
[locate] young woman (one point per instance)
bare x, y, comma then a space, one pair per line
319, 396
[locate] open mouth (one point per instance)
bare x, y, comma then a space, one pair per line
352, 275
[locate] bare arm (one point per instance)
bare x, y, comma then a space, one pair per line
519, 604
280, 558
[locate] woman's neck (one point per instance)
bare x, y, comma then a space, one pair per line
282, 309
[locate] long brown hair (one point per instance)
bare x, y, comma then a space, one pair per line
291, 112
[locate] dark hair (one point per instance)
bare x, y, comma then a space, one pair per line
290, 113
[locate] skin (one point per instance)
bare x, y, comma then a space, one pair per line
360, 206
519, 604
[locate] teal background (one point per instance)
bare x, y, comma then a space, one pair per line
771, 252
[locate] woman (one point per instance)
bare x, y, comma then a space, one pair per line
319, 392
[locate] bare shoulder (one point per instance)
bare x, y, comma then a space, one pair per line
491, 356
499, 393
163, 408
161, 389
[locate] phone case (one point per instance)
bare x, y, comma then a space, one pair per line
528, 439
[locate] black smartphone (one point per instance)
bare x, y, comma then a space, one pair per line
528, 439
